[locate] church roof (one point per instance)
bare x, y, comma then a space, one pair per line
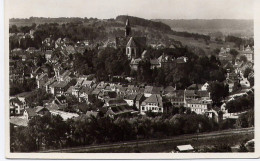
131, 43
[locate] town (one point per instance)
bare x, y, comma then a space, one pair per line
72, 85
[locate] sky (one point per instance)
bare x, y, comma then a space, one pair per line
149, 9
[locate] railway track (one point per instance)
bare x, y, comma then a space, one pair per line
154, 141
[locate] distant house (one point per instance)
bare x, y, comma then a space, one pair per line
119, 110
48, 55
115, 102
32, 112
248, 53
152, 103
41, 80
155, 63
198, 106
134, 63
176, 97
130, 99
168, 89
205, 86
16, 106
84, 94
148, 91
138, 100
58, 88
24, 97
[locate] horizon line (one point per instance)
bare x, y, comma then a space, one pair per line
137, 17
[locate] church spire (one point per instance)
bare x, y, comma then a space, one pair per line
127, 28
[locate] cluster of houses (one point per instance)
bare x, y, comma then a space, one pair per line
118, 98
248, 52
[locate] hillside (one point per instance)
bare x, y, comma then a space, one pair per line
226, 26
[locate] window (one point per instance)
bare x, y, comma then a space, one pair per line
143, 108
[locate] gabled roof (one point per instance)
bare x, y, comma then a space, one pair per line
130, 97
117, 110
91, 113
148, 89
52, 106
135, 61
157, 90
39, 108
154, 62
16, 100
31, 112
154, 98
139, 96
131, 43
169, 89
116, 102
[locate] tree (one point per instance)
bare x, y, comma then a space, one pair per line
247, 72
218, 91
234, 52
243, 58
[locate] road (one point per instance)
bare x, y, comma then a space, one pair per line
214, 134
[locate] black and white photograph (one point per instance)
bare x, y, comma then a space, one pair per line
130, 76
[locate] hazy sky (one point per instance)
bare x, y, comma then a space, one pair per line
166, 9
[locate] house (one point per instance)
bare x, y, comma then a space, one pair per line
134, 63
152, 103
205, 86
41, 80
195, 94
139, 99
130, 99
115, 102
92, 113
248, 53
176, 98
32, 112
24, 97
38, 71
30, 50
48, 84
84, 94
197, 105
148, 91
119, 110
65, 76
16, 106
155, 63
58, 88
132, 89
168, 89
48, 55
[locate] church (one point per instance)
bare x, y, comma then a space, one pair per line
134, 46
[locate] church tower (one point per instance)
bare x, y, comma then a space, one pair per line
127, 28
